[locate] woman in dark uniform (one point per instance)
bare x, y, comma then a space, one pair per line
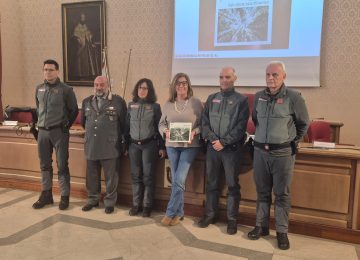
145, 144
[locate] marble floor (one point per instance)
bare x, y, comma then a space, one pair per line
49, 233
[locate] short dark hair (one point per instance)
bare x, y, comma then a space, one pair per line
151, 96
53, 62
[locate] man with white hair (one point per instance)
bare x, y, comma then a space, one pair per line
103, 117
281, 119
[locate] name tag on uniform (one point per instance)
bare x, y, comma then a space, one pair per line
262, 99
134, 106
147, 107
111, 108
216, 101
230, 102
41, 89
280, 101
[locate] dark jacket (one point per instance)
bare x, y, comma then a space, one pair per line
225, 117
142, 122
56, 105
280, 118
104, 127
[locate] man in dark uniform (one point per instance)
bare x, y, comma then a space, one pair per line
223, 126
57, 110
281, 119
103, 117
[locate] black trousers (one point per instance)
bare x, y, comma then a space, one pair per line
229, 161
143, 160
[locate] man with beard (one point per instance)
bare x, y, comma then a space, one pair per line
103, 117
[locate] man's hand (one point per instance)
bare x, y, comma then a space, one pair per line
217, 145
162, 153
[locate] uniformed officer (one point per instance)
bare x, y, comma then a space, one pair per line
223, 126
281, 119
145, 144
57, 110
103, 117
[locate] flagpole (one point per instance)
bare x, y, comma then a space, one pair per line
127, 73
105, 71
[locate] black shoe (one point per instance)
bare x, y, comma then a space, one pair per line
134, 210
64, 202
88, 206
109, 210
44, 199
146, 212
283, 241
258, 232
206, 221
232, 227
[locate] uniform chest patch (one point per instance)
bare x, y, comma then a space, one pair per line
280, 101
262, 99
216, 101
41, 89
134, 106
147, 107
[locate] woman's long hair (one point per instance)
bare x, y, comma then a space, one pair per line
151, 96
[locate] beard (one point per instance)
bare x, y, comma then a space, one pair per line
100, 94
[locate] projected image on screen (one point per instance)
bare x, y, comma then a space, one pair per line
244, 25
240, 26
247, 34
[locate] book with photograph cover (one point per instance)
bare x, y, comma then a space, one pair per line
180, 132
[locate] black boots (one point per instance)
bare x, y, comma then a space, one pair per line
135, 210
146, 212
283, 241
64, 202
89, 206
282, 238
109, 210
44, 199
47, 198
231, 227
206, 221
258, 232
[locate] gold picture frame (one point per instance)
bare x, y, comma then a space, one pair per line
83, 29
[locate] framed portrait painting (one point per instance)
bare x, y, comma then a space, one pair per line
83, 28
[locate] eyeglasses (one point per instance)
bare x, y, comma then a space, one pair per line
183, 83
143, 88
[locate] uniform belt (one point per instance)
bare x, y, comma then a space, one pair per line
141, 142
50, 127
271, 147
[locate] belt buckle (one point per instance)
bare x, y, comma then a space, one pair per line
266, 147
